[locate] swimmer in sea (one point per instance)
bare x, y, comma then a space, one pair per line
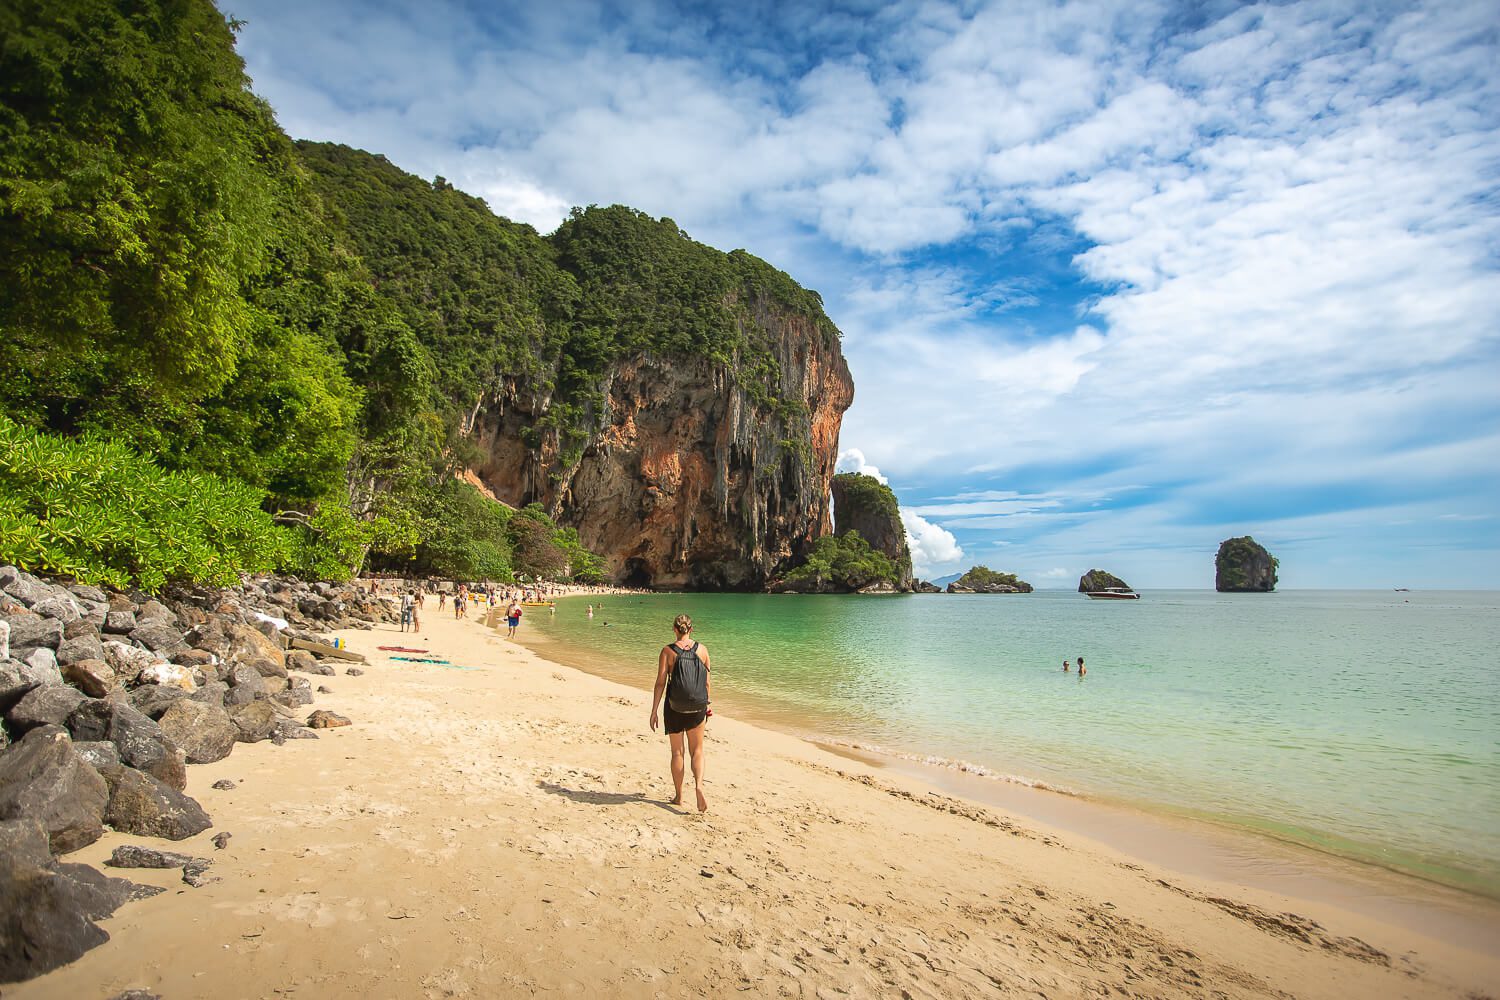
1081, 668
1065, 666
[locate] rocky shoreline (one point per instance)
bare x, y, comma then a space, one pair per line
107, 698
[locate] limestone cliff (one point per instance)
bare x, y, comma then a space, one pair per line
864, 504
697, 474
1244, 566
983, 580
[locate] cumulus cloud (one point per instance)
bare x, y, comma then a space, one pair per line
853, 460
934, 550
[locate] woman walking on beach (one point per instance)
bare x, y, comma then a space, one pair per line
682, 673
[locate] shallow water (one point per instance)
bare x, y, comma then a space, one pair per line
1362, 723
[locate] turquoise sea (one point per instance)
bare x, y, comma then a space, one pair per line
1362, 723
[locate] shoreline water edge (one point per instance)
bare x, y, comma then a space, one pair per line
490, 809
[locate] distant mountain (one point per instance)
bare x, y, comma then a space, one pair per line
943, 581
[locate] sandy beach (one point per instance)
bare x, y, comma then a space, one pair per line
500, 827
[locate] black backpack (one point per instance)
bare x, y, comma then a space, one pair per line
687, 688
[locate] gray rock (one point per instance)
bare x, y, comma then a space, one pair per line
224, 785
28, 629
43, 778
140, 741
136, 995
205, 733
221, 841
243, 675
210, 636
288, 729
212, 693
39, 664
193, 873
297, 694
195, 658
242, 695
25, 840
23, 586
119, 622
142, 805
4, 639
101, 755
48, 705
159, 635
86, 592
301, 659
154, 699
59, 605
255, 721
80, 647
267, 667
44, 923
324, 689
354, 672
138, 856
93, 677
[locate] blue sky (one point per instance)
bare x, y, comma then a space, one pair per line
1117, 280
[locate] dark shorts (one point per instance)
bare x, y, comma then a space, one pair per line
513, 622
677, 722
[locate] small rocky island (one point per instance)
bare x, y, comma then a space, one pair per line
1243, 566
983, 580
1097, 579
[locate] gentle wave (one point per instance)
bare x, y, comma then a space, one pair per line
947, 764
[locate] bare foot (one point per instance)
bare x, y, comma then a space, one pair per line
677, 801
702, 802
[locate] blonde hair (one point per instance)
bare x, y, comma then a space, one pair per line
682, 624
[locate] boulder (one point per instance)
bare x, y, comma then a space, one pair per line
127, 661
80, 647
301, 659
119, 622
169, 675
142, 805
94, 677
210, 636
255, 721
28, 629
59, 605
267, 667
243, 675
247, 644
140, 741
195, 658
44, 923
39, 664
324, 719
26, 841
47, 705
298, 693
205, 733
212, 693
89, 593
23, 586
4, 639
154, 610
43, 778
138, 856
154, 699
289, 729
159, 635
101, 755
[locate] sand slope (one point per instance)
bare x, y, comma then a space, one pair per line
503, 831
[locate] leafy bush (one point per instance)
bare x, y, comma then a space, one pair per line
843, 562
94, 510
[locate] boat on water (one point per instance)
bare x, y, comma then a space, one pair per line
1113, 594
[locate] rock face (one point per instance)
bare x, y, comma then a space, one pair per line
1097, 579
694, 477
1244, 566
864, 504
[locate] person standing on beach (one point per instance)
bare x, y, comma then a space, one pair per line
513, 619
408, 605
682, 674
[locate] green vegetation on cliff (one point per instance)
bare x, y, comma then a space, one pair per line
841, 563
982, 578
1242, 564
1098, 579
305, 323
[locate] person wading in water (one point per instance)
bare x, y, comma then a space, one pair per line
682, 672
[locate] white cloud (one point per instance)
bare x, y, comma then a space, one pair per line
934, 550
853, 460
